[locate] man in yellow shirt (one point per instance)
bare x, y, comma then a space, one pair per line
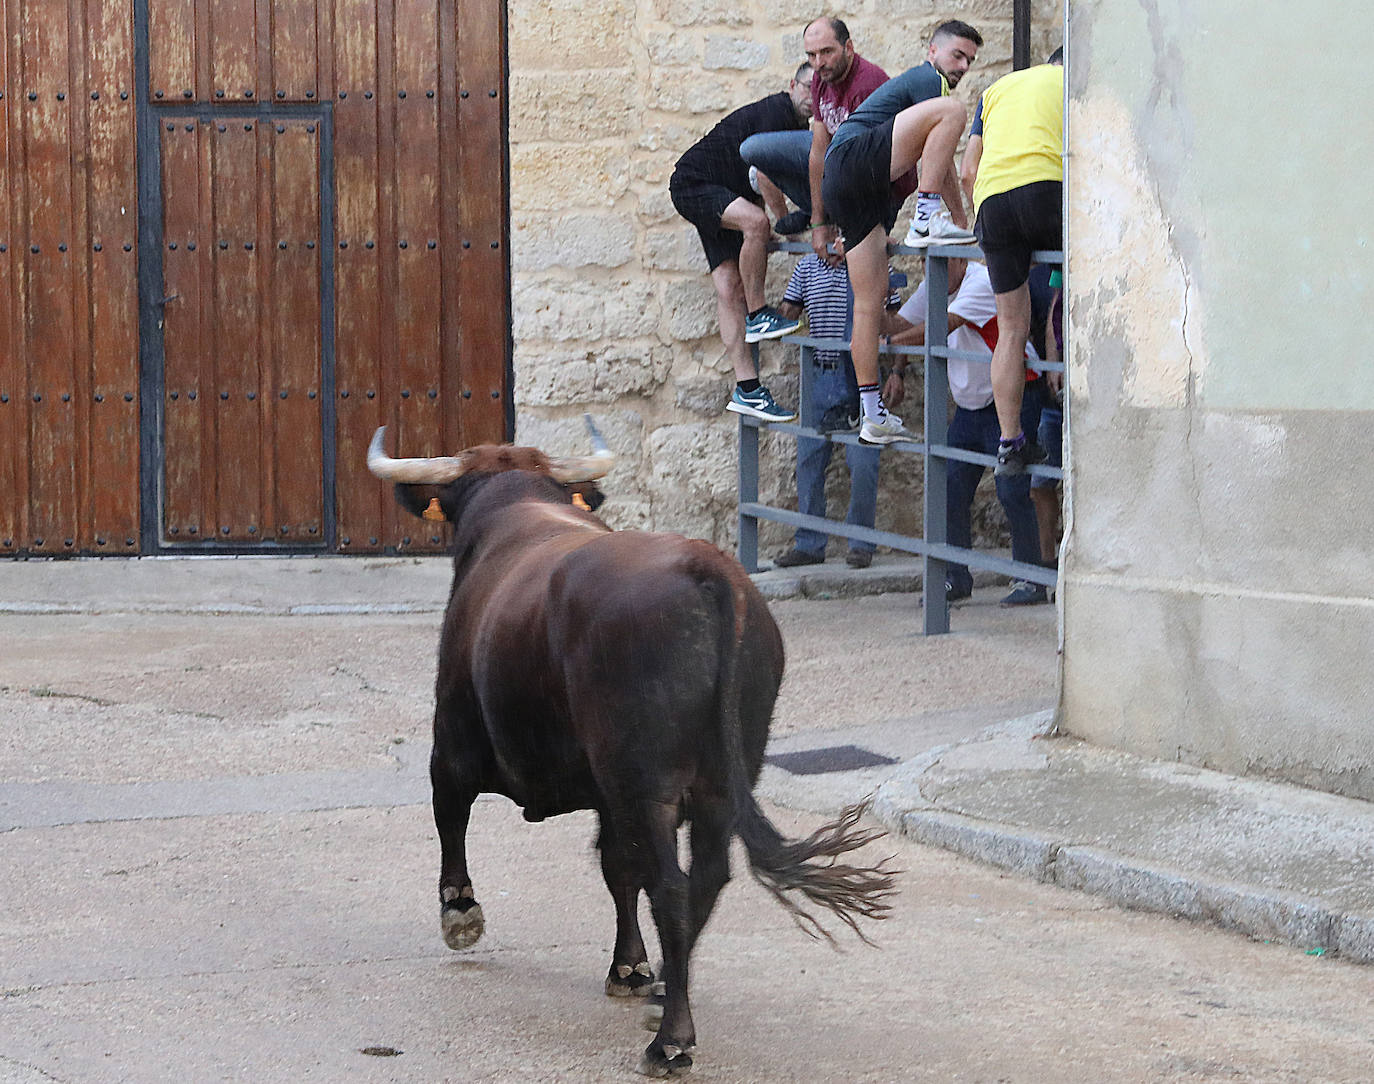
1017, 198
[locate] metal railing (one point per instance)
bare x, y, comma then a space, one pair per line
933, 545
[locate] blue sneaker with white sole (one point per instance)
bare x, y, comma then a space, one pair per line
759, 404
768, 323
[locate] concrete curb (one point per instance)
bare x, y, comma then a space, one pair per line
1260, 913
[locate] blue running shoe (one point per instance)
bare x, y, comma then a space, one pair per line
759, 404
768, 324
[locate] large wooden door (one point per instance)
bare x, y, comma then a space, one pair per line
245, 291
165, 388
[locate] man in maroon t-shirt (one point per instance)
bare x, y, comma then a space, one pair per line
842, 80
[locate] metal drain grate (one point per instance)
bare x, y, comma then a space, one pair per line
835, 758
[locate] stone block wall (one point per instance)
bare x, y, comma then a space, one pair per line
613, 310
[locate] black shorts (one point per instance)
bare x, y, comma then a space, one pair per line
857, 189
702, 204
1011, 225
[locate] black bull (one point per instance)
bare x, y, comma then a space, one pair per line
626, 672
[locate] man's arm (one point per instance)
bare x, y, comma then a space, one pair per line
823, 235
953, 197
968, 165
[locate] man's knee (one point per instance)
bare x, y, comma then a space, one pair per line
952, 109
729, 286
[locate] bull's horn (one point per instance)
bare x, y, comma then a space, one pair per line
584, 468
436, 471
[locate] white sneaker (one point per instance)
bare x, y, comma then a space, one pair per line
884, 430
938, 229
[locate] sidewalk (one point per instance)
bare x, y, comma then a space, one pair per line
1271, 861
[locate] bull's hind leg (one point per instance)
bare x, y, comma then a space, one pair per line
710, 857
670, 1052
460, 915
630, 975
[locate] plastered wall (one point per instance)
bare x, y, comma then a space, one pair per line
1217, 591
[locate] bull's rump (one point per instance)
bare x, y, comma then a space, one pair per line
600, 668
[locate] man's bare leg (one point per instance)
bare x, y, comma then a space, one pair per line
751, 220
1009, 358
928, 132
730, 312
867, 263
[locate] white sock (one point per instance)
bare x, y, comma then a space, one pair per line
927, 203
872, 400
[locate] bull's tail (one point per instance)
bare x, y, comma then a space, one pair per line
796, 872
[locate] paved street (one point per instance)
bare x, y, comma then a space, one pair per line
221, 865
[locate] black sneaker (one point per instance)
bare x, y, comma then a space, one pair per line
952, 593
791, 223
795, 557
840, 419
859, 558
957, 594
1013, 460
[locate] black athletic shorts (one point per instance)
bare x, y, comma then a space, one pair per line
702, 203
857, 189
1011, 225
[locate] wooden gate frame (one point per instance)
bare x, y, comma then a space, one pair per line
152, 452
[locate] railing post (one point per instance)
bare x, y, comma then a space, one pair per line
748, 547
934, 524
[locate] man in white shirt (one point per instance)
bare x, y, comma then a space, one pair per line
974, 427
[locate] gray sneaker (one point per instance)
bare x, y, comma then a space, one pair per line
938, 229
885, 430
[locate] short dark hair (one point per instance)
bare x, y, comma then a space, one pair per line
837, 25
1056, 57
802, 69
956, 28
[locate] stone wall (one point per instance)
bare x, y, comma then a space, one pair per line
613, 309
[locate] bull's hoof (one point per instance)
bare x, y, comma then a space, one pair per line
627, 981
462, 923
653, 1008
661, 1060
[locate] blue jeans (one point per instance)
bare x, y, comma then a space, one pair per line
835, 386
1051, 438
978, 431
785, 158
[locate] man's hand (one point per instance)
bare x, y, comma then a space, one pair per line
894, 389
821, 236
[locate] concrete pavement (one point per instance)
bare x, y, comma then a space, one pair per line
950, 765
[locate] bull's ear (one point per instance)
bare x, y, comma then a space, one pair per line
592, 498
414, 498
445, 504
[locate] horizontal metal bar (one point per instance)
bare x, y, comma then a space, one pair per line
793, 429
911, 447
956, 252
963, 455
905, 543
946, 352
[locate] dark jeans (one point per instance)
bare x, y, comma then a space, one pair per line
978, 431
834, 387
784, 158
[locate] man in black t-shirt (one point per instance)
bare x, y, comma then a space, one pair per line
711, 190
